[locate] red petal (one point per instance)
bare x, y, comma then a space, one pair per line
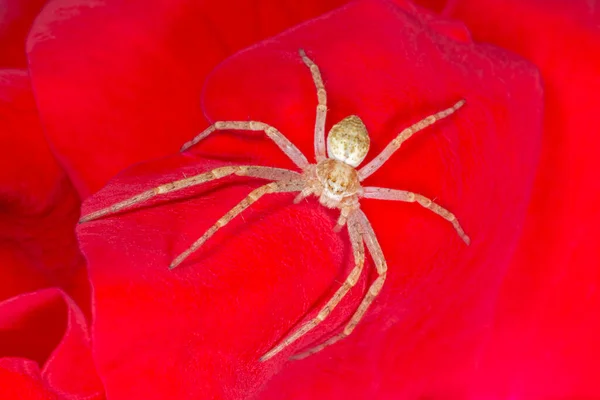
16, 18
36, 365
204, 326
129, 91
545, 341
38, 211
20, 380
38, 205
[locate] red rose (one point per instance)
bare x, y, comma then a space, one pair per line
117, 85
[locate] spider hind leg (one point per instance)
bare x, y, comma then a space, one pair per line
359, 260
381, 266
271, 188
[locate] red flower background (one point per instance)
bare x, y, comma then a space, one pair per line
96, 98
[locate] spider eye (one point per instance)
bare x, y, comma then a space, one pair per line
348, 141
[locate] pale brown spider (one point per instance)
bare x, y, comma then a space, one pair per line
334, 180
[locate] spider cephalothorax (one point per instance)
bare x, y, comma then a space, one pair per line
339, 180
334, 180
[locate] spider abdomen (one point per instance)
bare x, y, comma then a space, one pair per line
348, 141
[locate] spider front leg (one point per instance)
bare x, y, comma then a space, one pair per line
403, 136
273, 187
280, 140
320, 150
410, 197
359, 260
268, 173
377, 254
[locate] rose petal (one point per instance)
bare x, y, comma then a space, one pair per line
129, 91
16, 18
200, 330
38, 205
38, 210
545, 341
35, 365
20, 379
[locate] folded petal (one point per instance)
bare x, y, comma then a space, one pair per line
38, 205
45, 349
20, 379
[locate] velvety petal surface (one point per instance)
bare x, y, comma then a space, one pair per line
129, 89
199, 330
545, 341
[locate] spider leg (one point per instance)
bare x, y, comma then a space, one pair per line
381, 266
252, 171
359, 260
320, 150
395, 144
280, 140
410, 197
273, 187
343, 218
307, 191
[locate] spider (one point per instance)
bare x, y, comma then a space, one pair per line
334, 179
